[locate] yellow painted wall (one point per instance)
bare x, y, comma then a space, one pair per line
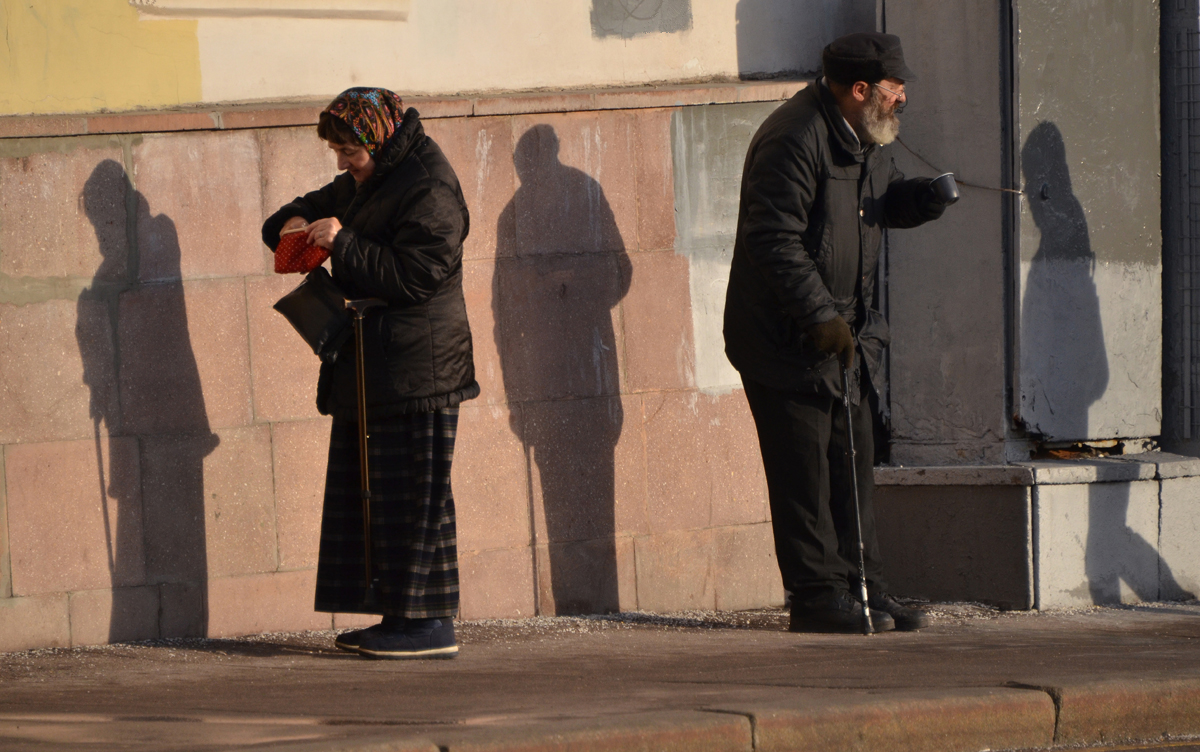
90, 55
83, 56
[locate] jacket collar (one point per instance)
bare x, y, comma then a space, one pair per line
839, 129
391, 155
397, 148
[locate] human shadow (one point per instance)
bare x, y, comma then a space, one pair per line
1064, 364
558, 278
148, 416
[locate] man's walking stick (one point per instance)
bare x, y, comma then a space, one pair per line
852, 455
360, 308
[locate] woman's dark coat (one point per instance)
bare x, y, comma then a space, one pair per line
401, 241
813, 208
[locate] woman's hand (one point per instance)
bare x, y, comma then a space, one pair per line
295, 223
323, 231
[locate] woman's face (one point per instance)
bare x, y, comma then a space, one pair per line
354, 159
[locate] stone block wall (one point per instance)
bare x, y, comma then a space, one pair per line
1044, 534
162, 459
1116, 532
956, 541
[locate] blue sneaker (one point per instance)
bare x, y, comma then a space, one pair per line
416, 638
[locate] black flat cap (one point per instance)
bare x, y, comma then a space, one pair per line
867, 56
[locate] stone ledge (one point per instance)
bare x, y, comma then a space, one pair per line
1168, 465
968, 718
955, 475
373, 743
1059, 472
1148, 466
667, 730
300, 113
1116, 711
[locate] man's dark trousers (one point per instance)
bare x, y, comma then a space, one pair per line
804, 451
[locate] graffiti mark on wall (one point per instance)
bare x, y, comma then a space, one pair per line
628, 18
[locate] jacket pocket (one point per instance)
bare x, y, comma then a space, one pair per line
407, 352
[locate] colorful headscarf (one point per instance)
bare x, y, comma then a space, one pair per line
373, 114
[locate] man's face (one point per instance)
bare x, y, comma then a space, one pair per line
879, 112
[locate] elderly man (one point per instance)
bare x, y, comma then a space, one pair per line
818, 187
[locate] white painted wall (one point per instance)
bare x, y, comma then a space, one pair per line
451, 46
1089, 235
1096, 543
1090, 343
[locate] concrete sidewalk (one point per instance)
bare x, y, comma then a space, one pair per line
978, 679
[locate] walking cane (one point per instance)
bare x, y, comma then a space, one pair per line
851, 454
360, 308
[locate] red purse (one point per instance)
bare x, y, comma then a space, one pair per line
294, 254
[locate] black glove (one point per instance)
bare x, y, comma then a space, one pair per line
937, 194
834, 337
928, 204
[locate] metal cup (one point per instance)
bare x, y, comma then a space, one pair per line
945, 190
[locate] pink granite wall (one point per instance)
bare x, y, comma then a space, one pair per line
162, 460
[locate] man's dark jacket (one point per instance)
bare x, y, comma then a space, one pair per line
813, 209
401, 241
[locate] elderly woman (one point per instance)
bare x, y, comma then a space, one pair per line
394, 224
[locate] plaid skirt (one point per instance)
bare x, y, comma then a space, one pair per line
414, 556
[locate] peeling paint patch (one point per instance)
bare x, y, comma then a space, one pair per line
708, 147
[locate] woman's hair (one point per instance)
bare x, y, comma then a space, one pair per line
336, 131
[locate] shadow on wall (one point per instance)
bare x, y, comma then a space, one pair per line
1063, 358
1064, 365
553, 296
780, 37
145, 392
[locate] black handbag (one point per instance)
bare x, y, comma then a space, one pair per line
317, 310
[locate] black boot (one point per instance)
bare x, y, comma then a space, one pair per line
837, 613
907, 619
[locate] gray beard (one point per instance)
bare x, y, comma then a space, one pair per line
878, 126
